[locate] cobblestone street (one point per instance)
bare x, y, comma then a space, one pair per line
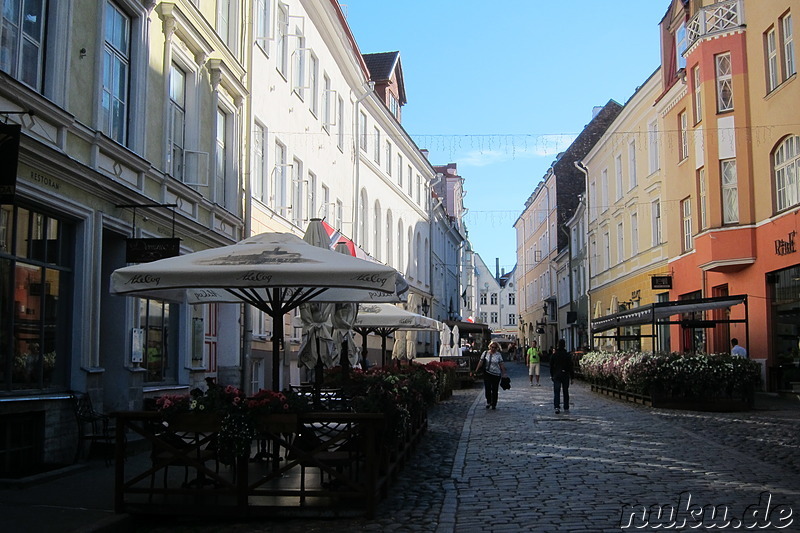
524, 468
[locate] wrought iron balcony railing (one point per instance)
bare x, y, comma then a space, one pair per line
716, 18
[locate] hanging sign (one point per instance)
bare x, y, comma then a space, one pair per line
9, 156
661, 282
146, 250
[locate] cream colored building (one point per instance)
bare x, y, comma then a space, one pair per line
626, 237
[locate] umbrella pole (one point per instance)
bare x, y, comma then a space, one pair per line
364, 348
383, 349
318, 378
277, 338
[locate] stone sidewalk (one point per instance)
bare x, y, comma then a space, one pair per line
524, 468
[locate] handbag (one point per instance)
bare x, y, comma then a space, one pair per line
505, 383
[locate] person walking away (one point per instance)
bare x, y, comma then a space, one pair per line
492, 363
534, 360
561, 373
736, 349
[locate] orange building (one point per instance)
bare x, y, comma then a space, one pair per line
731, 167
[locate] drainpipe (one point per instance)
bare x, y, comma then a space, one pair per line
580, 166
357, 154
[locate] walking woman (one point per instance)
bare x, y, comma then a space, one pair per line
494, 369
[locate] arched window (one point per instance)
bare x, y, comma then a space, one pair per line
787, 184
363, 221
389, 238
378, 227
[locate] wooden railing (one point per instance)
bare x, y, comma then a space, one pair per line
319, 463
716, 18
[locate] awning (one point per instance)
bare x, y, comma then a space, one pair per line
468, 327
659, 312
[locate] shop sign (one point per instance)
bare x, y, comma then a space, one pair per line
786, 247
9, 156
661, 282
146, 250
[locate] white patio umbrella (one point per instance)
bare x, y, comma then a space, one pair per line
274, 272
399, 348
384, 319
456, 350
444, 341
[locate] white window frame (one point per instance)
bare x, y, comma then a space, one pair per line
618, 171
376, 146
362, 131
632, 178
652, 141
282, 38
278, 199
730, 191
340, 123
787, 36
298, 192
327, 103
226, 23
261, 24
604, 190
724, 80
686, 220
176, 127
117, 129
787, 179
655, 222
703, 197
634, 234
698, 95
313, 83
260, 176
683, 125
620, 243
771, 45
681, 43
388, 158
23, 41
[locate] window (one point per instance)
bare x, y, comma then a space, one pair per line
632, 180
298, 192
339, 213
311, 195
493, 298
282, 39
313, 83
686, 217
279, 188
683, 142
362, 129
299, 64
701, 189
116, 74
22, 46
604, 190
698, 95
634, 234
512, 298
772, 59
483, 317
409, 181
388, 158
493, 317
363, 221
606, 251
419, 188
788, 46
327, 102
655, 213
787, 185
222, 156
618, 170
680, 45
154, 319
261, 23
226, 23
652, 140
259, 180
620, 243
724, 82
592, 200
325, 213
394, 106
177, 122
377, 145
483, 298
340, 125
730, 192
400, 170
512, 319
389, 238
378, 225
36, 270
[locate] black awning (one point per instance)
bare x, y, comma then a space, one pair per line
468, 327
659, 312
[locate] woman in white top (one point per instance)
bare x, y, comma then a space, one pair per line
494, 370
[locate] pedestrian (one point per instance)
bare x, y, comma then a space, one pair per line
561, 373
534, 360
492, 363
736, 349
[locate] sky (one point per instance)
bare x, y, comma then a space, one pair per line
500, 88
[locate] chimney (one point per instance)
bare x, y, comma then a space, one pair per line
425, 153
497, 268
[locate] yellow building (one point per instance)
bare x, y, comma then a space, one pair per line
625, 234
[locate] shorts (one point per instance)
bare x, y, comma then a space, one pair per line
533, 370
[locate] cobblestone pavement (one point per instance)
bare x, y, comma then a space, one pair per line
524, 468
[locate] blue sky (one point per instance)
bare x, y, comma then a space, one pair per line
500, 88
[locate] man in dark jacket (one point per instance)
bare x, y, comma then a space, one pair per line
561, 373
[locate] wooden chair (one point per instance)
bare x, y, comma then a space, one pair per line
93, 426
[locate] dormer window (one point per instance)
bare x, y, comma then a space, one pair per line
394, 106
681, 43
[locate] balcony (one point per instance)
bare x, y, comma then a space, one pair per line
714, 19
